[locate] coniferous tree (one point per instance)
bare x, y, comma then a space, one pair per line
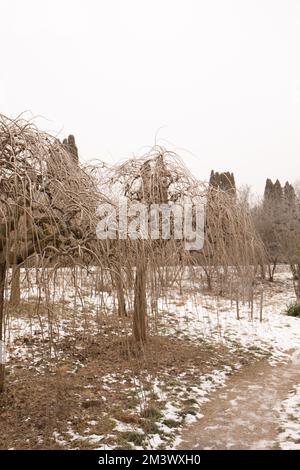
289, 193
290, 233
70, 145
277, 192
278, 222
268, 194
223, 180
266, 219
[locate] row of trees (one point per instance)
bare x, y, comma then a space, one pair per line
277, 222
277, 219
48, 207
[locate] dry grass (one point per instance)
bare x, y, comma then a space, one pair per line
35, 403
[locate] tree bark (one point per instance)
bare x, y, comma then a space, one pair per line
140, 302
117, 282
2, 286
15, 291
262, 272
208, 277
296, 280
272, 268
295, 271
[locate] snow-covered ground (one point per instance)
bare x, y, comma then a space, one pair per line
289, 437
276, 337
198, 318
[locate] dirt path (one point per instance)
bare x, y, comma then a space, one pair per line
244, 414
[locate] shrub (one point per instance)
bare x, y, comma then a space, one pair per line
293, 310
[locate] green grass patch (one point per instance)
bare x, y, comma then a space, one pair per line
151, 413
171, 423
293, 310
131, 436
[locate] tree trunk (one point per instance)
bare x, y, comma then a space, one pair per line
262, 271
272, 268
117, 282
2, 286
121, 301
296, 279
208, 277
15, 291
140, 302
295, 271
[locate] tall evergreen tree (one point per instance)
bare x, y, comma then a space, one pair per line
223, 180
267, 219
268, 194
70, 145
289, 193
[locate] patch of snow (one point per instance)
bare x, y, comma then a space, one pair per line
289, 438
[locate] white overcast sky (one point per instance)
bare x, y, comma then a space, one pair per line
217, 79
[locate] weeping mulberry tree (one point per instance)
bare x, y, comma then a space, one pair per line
47, 203
15, 292
160, 178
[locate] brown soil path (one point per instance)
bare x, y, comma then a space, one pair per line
245, 413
